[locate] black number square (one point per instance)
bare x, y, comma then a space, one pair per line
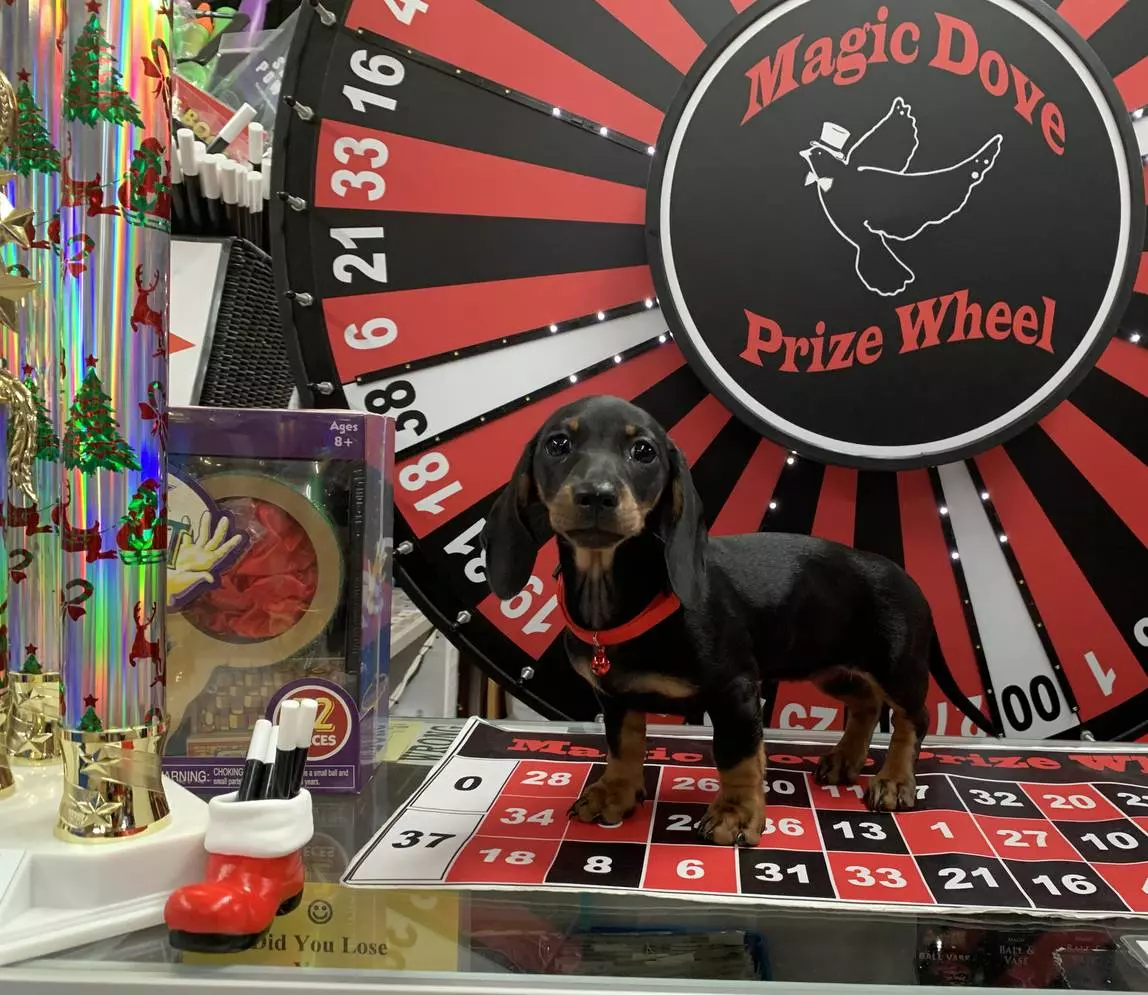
964, 879
995, 798
784, 873
1113, 841
785, 787
1131, 799
674, 823
1064, 884
604, 865
935, 792
863, 832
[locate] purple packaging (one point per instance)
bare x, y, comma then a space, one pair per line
279, 586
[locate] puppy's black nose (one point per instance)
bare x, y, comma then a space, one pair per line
596, 495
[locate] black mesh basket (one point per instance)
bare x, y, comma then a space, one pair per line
248, 365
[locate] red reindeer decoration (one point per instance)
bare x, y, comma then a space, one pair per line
27, 518
144, 315
144, 648
78, 193
73, 540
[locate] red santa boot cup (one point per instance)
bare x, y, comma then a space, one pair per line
254, 873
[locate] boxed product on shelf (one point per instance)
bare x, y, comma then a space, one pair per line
279, 586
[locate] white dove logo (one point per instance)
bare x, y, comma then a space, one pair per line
871, 198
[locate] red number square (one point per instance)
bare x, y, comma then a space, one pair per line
942, 831
1129, 881
843, 797
688, 784
547, 779
1071, 802
633, 829
1026, 839
788, 828
704, 868
879, 878
495, 860
527, 818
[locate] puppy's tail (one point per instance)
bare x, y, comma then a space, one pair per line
948, 685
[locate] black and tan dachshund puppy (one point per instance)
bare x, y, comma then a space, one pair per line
686, 622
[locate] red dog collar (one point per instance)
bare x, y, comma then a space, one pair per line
658, 610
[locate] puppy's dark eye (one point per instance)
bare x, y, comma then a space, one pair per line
643, 452
558, 445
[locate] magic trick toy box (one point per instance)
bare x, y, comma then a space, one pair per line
278, 587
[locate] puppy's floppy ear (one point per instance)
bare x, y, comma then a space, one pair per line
683, 529
515, 529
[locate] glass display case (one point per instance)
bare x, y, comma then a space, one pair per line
445, 941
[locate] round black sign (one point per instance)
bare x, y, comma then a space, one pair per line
895, 233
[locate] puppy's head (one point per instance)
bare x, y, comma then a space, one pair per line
600, 471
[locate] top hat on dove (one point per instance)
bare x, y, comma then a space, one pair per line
833, 139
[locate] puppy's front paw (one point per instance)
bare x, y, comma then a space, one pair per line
837, 768
734, 818
888, 794
608, 801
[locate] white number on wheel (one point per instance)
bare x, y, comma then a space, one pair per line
429, 468
466, 544
599, 865
380, 70
374, 334
377, 154
522, 602
345, 265
342, 179
346, 147
405, 10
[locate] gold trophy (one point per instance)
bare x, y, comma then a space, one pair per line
18, 401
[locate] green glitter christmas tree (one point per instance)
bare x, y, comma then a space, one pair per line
30, 150
47, 442
91, 440
31, 664
90, 721
93, 91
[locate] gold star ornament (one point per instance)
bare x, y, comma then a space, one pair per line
13, 290
12, 223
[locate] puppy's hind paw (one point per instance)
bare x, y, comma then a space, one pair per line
836, 768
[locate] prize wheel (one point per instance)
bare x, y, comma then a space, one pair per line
475, 226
